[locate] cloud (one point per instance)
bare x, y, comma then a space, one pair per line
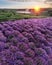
27, 0
14, 4
20, 0
24, 6
49, 1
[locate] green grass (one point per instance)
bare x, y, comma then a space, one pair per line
12, 15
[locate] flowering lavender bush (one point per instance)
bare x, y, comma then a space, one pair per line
26, 42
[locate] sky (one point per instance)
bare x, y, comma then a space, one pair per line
25, 3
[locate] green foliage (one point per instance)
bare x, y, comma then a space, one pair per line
9, 14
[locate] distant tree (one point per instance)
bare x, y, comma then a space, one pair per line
50, 12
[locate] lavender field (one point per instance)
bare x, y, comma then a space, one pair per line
26, 42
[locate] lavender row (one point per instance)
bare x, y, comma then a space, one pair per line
26, 42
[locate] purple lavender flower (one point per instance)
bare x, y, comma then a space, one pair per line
26, 42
